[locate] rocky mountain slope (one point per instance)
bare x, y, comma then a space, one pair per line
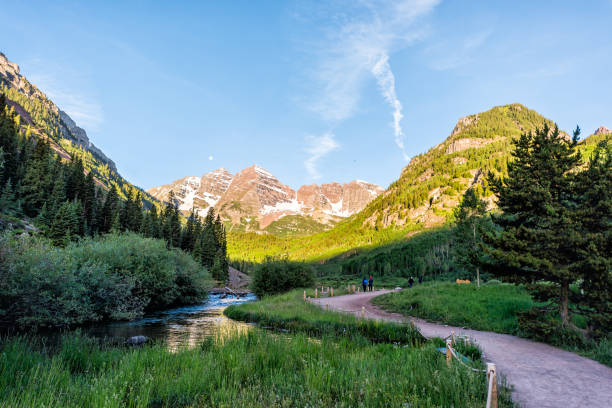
426, 193
254, 199
431, 185
41, 117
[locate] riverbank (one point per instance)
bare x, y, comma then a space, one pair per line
252, 369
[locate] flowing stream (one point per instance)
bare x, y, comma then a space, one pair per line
179, 327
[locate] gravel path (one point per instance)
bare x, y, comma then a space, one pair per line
542, 376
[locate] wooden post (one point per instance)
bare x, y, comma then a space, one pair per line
326, 306
362, 312
492, 394
453, 337
353, 289
304, 296
449, 356
332, 291
316, 293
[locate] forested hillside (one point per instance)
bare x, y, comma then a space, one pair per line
37, 115
425, 196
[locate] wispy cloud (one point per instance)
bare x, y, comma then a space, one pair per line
386, 82
318, 146
359, 40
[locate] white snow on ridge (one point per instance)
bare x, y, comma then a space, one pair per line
193, 180
282, 206
263, 171
336, 209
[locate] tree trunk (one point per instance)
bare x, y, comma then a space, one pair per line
564, 304
478, 276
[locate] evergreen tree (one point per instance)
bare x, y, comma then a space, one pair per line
188, 235
172, 223
470, 219
594, 240
109, 211
65, 224
35, 181
7, 199
209, 243
535, 244
90, 203
75, 180
9, 141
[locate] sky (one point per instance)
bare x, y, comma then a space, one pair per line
313, 91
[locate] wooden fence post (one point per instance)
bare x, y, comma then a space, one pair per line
304, 296
332, 291
453, 337
316, 293
492, 394
362, 312
449, 356
326, 306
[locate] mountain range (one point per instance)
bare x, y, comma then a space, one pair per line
426, 193
253, 199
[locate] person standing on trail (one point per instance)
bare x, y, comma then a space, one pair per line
410, 282
370, 283
364, 283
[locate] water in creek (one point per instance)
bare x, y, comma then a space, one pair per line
181, 327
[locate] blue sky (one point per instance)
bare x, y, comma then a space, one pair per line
312, 91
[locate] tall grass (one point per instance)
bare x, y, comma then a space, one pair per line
491, 308
252, 369
290, 312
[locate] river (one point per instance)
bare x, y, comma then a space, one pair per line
180, 327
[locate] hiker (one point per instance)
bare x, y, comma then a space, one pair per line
410, 282
371, 283
364, 283
420, 279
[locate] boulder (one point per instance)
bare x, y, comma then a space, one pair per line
136, 341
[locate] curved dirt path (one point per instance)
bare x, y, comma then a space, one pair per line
542, 376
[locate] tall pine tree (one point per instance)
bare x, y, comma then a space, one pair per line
537, 230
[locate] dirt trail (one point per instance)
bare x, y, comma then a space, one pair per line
542, 376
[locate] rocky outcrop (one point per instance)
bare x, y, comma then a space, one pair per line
256, 197
467, 143
10, 76
464, 123
602, 130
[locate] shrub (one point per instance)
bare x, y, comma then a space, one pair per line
538, 324
277, 276
118, 276
494, 282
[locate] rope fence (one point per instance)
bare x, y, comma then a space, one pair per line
451, 353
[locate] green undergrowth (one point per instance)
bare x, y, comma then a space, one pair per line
494, 307
248, 369
490, 308
289, 312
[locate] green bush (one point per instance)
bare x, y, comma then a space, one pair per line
278, 276
118, 276
539, 325
494, 282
